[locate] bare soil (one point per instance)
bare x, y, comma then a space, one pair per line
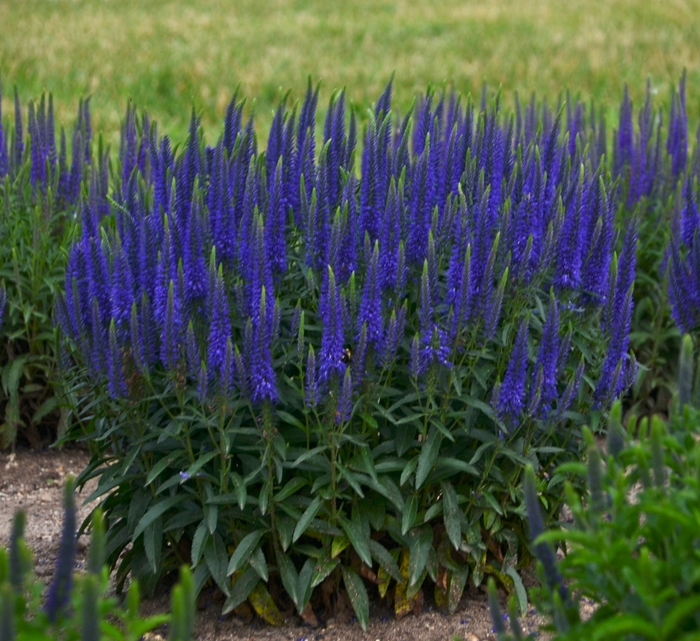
32, 480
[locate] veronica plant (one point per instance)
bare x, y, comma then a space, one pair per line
298, 377
39, 189
656, 169
633, 541
74, 606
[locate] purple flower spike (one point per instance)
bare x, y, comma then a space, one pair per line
59, 591
311, 376
332, 340
18, 151
371, 303
263, 382
394, 334
548, 355
511, 399
623, 151
219, 329
543, 551
344, 410
690, 218
417, 367
173, 330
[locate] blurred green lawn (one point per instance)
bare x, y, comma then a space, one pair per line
168, 55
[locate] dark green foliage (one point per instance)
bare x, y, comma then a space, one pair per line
36, 228
87, 614
633, 545
307, 450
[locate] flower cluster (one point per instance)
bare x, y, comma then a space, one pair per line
49, 165
683, 252
453, 219
639, 157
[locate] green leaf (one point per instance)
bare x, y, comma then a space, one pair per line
306, 518
291, 488
304, 588
11, 375
351, 478
443, 462
291, 420
323, 568
201, 534
285, 529
258, 562
137, 507
157, 510
687, 607
211, 515
433, 511
152, 542
358, 596
421, 544
357, 539
480, 452
45, 408
158, 468
242, 588
368, 463
493, 503
382, 556
289, 576
216, 558
408, 469
457, 579
450, 515
520, 591
428, 455
338, 544
198, 464
243, 551
409, 514
387, 488
241, 490
405, 435
309, 454
264, 497
478, 404
622, 625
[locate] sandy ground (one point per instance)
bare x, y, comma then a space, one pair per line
33, 480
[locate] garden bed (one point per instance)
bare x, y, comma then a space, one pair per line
32, 480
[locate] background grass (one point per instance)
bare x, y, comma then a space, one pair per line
170, 54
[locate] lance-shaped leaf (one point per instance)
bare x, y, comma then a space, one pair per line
358, 596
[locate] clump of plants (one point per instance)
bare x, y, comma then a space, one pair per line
73, 606
40, 185
658, 178
306, 380
633, 545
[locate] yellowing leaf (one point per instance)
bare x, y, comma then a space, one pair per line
265, 607
338, 545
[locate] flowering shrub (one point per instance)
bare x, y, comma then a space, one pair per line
39, 188
74, 606
653, 166
633, 542
300, 377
